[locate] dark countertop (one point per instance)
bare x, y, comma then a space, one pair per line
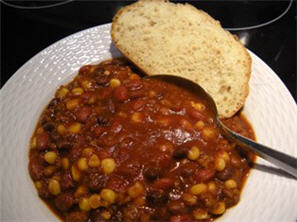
25, 32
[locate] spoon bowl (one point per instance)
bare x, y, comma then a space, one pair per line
279, 159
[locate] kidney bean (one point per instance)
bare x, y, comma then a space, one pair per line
180, 218
42, 140
83, 113
105, 93
138, 104
66, 180
115, 128
136, 94
35, 169
204, 175
64, 201
195, 114
134, 84
176, 207
163, 183
121, 93
76, 216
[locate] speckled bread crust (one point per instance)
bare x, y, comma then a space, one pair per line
161, 37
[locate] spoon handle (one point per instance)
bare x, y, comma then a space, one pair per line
282, 160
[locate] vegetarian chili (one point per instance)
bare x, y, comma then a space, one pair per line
113, 146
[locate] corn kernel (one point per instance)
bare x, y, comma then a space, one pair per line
65, 163
84, 204
209, 133
62, 92
87, 151
211, 186
33, 142
198, 188
194, 153
198, 106
219, 208
54, 187
186, 124
74, 128
230, 184
105, 215
108, 165
38, 185
50, 157
75, 173
49, 170
81, 191
94, 161
82, 164
95, 201
189, 199
136, 117
122, 114
114, 83
72, 104
61, 129
136, 190
106, 72
223, 154
152, 94
200, 214
220, 164
77, 91
199, 125
134, 76
86, 84
139, 201
40, 130
108, 195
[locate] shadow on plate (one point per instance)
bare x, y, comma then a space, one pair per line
273, 170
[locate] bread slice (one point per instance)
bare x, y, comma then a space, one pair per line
161, 37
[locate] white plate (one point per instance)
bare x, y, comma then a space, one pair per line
270, 108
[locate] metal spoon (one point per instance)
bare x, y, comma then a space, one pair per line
282, 160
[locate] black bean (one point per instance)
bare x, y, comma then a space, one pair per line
53, 102
180, 152
63, 143
152, 173
225, 174
157, 197
48, 126
102, 121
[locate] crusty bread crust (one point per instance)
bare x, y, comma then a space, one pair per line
226, 82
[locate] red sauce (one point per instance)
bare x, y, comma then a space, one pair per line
113, 146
